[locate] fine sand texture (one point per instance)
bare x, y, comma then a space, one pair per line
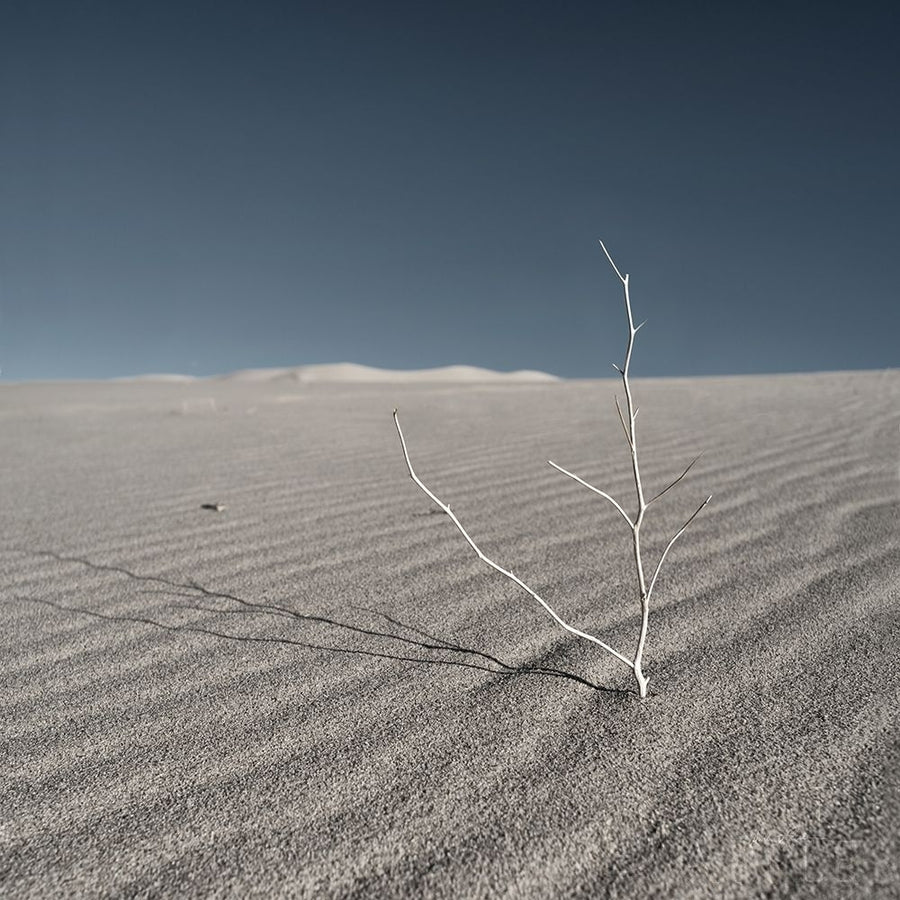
320, 691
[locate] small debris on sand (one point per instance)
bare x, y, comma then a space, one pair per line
215, 507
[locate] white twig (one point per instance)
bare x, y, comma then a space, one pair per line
675, 538
622, 420
590, 487
690, 466
615, 268
493, 565
628, 418
629, 424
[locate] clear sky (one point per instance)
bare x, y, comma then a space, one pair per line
199, 187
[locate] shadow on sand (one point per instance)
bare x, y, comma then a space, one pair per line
422, 640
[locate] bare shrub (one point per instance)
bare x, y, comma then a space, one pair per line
628, 418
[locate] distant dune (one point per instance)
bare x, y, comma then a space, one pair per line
353, 372
345, 372
162, 377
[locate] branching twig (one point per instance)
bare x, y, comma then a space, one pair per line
645, 589
628, 419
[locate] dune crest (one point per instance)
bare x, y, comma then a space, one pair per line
354, 372
167, 377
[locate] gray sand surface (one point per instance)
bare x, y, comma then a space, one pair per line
319, 691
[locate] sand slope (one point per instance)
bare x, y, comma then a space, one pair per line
320, 692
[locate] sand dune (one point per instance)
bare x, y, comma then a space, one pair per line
353, 372
341, 372
162, 377
319, 691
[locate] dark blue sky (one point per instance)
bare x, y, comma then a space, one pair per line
198, 187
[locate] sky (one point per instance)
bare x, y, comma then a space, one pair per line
200, 187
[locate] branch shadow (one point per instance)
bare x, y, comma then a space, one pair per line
421, 640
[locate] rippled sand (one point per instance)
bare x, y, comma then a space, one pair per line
320, 691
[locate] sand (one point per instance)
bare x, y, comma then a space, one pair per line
319, 691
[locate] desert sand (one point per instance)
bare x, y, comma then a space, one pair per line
319, 691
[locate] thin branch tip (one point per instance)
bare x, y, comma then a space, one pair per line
675, 537
590, 487
672, 484
622, 420
623, 279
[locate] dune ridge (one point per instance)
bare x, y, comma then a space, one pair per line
354, 372
319, 691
